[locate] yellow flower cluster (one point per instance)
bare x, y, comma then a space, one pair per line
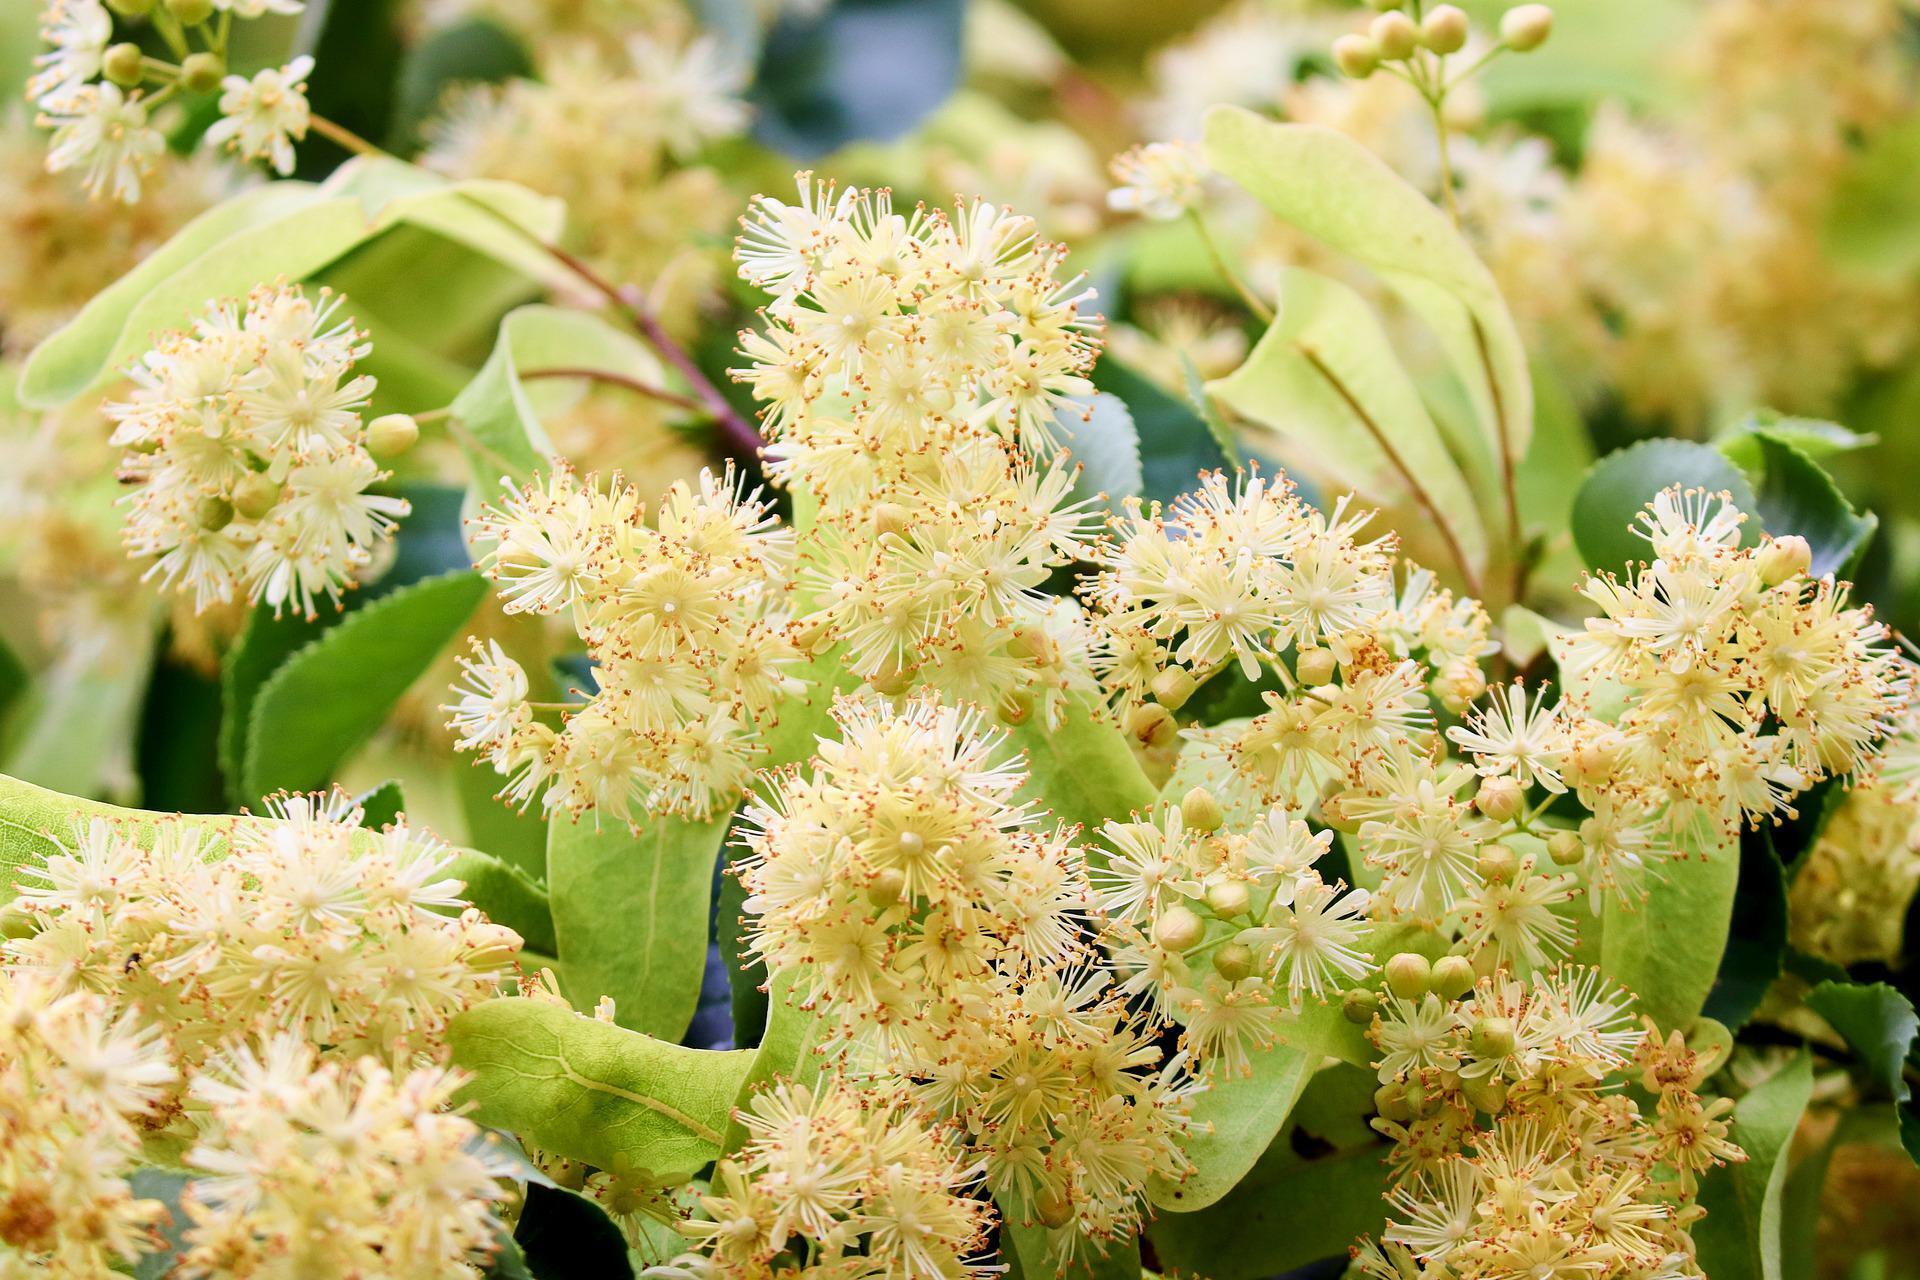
685, 622
1516, 1152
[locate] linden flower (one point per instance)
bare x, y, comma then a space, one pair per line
335, 1170
1516, 738
1159, 181
79, 32
263, 117
248, 449
103, 133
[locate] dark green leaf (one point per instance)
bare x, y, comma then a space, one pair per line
1176, 444
13, 678
179, 744
1812, 436
1028, 1253
382, 806
1102, 439
746, 975
855, 70
595, 1092
1757, 939
1797, 496
785, 1052
360, 43
1878, 1024
631, 911
327, 698
1287, 1212
565, 1236
1739, 1239
1084, 771
1619, 485
1667, 947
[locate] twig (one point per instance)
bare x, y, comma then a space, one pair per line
619, 380
345, 137
1247, 295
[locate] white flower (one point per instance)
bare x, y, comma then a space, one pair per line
1161, 180
79, 31
263, 117
102, 131
693, 92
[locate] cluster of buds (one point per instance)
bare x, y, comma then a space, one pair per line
99, 96
1402, 33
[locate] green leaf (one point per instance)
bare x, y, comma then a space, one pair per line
1795, 495
1238, 1116
595, 1092
1203, 405
502, 412
74, 729
382, 806
14, 679
1814, 437
1102, 439
785, 1052
33, 820
289, 229
1324, 379
472, 52
519, 839
1623, 482
1739, 1239
563, 1235
1878, 1024
1176, 444
1667, 948
328, 697
178, 743
631, 910
1029, 1254
1757, 937
1288, 1212
746, 974
165, 1186
1084, 771
1336, 191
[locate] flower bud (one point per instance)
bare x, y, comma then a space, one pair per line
190, 13
1359, 1005
1201, 812
1178, 928
1787, 556
1031, 644
1152, 724
1497, 864
1233, 961
1486, 1095
1591, 759
1229, 898
885, 888
1053, 1209
202, 72
255, 495
1453, 977
1395, 36
890, 517
1492, 1037
1458, 684
1409, 975
131, 8
1357, 56
1336, 812
1499, 798
1390, 1100
1566, 848
391, 435
1315, 666
1444, 30
1172, 687
213, 513
1016, 708
1526, 28
121, 64
894, 680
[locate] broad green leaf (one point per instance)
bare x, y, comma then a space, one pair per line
1286, 1213
74, 728
1324, 379
1619, 485
382, 806
1667, 947
1814, 437
1793, 494
1757, 937
592, 1091
178, 746
519, 839
631, 910
1341, 194
1878, 1024
286, 229
1102, 439
35, 823
1176, 443
1600, 49
502, 412
563, 1235
1029, 1253
1739, 1239
327, 697
1084, 771
1237, 1118
787, 1051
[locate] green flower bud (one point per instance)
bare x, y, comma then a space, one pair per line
1486, 1095
1444, 30
1499, 798
1395, 35
190, 13
1357, 56
1526, 28
213, 513
1498, 864
1452, 977
1178, 928
1492, 1037
1566, 848
202, 72
1201, 812
1784, 557
255, 495
1409, 975
885, 888
1153, 725
1316, 666
1390, 1100
121, 64
1172, 687
391, 435
1233, 961
1230, 898
1359, 1005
